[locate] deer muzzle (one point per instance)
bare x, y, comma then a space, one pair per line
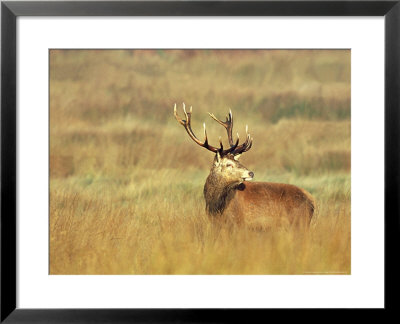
249, 176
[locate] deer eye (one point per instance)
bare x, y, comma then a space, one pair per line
230, 165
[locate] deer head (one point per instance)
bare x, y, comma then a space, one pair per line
226, 168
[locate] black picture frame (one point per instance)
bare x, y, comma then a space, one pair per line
10, 10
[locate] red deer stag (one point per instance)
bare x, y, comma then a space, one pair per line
230, 198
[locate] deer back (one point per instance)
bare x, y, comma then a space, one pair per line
267, 204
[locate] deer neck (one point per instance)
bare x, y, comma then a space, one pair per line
218, 193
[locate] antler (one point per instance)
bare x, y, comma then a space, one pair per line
186, 124
228, 124
188, 127
245, 146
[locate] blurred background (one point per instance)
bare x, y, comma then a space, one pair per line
126, 181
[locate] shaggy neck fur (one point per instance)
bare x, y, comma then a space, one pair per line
218, 193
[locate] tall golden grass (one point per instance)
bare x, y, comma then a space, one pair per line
126, 182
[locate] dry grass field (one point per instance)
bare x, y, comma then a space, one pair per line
126, 182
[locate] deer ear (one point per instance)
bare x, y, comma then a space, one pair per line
236, 157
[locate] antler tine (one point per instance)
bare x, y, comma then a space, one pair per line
205, 134
177, 117
228, 124
184, 110
220, 143
249, 147
187, 125
246, 145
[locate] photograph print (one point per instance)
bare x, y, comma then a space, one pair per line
208, 161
